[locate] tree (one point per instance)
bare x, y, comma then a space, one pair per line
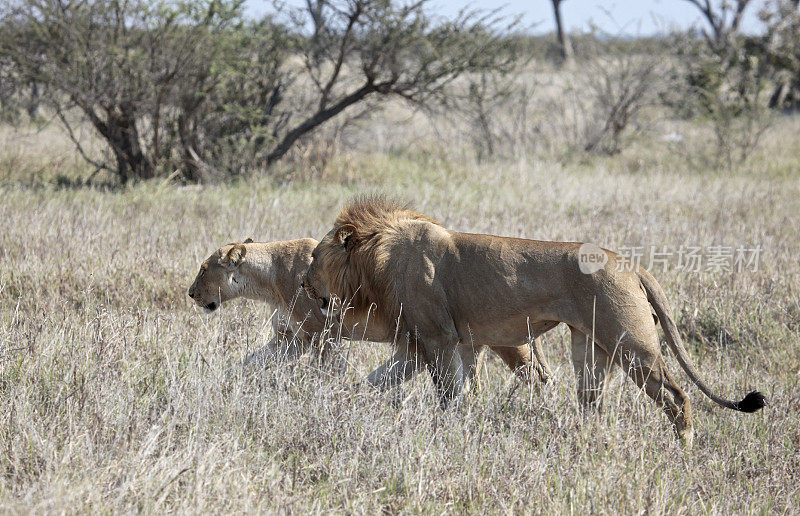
366, 48
782, 51
564, 44
121, 64
9, 87
621, 87
725, 87
724, 19
195, 87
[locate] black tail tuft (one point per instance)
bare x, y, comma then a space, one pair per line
752, 402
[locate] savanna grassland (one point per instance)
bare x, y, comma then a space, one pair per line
118, 394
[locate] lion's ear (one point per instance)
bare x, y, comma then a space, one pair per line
344, 234
248, 240
235, 255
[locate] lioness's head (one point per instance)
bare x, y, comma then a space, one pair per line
219, 279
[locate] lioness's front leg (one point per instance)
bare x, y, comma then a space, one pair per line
520, 360
405, 363
398, 369
261, 357
473, 359
284, 346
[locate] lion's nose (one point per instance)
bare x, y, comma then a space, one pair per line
191, 293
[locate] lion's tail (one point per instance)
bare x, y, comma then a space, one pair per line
751, 403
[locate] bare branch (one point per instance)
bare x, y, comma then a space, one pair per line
342, 54
319, 118
724, 19
77, 143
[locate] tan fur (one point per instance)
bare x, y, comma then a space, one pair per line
269, 272
272, 272
438, 287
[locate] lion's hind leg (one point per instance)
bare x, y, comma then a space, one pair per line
592, 365
656, 381
630, 338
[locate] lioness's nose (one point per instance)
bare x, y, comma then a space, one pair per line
191, 293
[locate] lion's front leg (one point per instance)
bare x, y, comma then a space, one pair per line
447, 371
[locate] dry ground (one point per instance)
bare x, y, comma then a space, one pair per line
114, 391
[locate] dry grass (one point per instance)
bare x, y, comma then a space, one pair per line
114, 391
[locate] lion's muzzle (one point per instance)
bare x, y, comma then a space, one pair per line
324, 302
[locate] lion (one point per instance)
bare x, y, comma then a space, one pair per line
272, 272
438, 288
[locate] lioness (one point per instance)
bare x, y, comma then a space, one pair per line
440, 287
272, 272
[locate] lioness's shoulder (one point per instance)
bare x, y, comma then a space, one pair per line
296, 246
306, 243
296, 251
301, 248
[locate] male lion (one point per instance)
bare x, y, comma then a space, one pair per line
440, 287
272, 272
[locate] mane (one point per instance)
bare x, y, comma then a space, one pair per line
377, 213
360, 274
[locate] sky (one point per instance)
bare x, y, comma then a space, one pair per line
615, 17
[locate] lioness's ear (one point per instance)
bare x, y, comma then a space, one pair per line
248, 240
235, 255
344, 233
